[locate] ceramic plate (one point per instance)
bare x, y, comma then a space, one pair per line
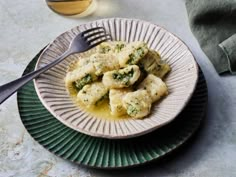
105, 153
181, 81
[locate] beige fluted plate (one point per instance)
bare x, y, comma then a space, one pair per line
181, 81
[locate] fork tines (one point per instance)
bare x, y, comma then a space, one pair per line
95, 36
86, 32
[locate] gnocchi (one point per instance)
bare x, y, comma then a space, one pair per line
127, 75
104, 63
121, 78
137, 103
153, 64
80, 77
92, 94
154, 86
132, 53
116, 97
111, 47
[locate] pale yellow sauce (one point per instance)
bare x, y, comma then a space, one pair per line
101, 111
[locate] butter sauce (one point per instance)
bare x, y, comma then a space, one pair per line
101, 111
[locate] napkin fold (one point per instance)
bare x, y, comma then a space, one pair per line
213, 23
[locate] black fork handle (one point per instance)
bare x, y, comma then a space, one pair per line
10, 88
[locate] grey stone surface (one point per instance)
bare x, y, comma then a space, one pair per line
28, 25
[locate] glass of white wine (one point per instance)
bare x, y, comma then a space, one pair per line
78, 8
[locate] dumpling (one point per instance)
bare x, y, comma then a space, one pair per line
153, 64
132, 53
155, 87
103, 48
119, 46
92, 94
121, 78
138, 104
80, 77
104, 63
116, 105
111, 47
162, 70
83, 61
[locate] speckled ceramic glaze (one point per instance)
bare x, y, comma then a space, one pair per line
181, 81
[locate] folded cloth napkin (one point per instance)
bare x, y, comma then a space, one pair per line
213, 22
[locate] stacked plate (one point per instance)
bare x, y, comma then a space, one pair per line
52, 118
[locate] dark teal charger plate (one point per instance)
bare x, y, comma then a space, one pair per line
104, 153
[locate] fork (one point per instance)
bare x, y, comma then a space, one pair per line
81, 43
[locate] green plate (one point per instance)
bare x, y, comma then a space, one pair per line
104, 153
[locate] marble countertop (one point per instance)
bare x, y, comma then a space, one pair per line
27, 26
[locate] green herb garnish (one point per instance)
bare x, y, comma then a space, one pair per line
136, 56
105, 49
125, 77
132, 111
79, 84
119, 47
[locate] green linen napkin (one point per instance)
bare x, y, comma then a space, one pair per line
213, 22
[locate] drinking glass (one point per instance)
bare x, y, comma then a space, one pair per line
78, 8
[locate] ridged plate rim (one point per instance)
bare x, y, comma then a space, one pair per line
123, 128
